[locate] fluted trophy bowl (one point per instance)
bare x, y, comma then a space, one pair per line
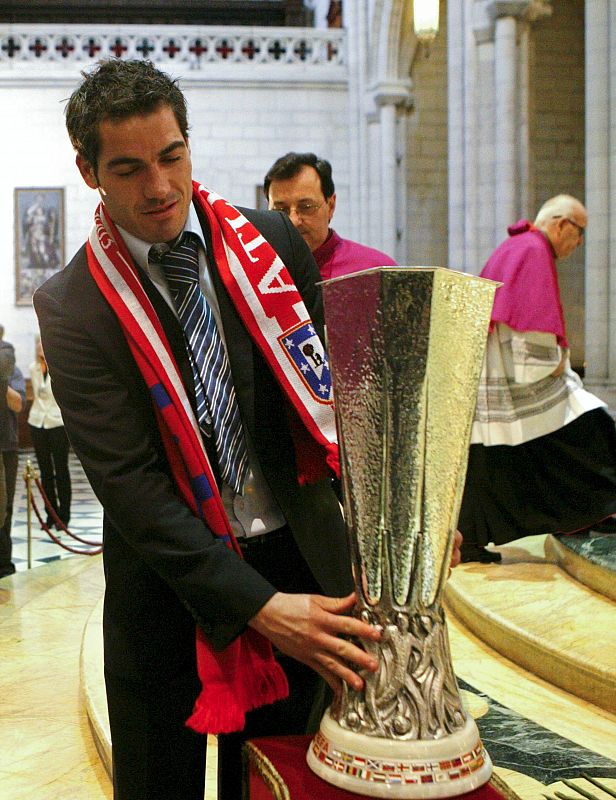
406, 346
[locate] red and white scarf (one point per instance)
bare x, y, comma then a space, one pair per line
244, 675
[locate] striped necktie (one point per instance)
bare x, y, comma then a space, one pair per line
217, 408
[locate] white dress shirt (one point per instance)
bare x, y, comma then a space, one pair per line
519, 399
44, 412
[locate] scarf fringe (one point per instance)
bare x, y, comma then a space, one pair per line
229, 688
216, 712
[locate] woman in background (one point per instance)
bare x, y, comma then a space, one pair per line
49, 440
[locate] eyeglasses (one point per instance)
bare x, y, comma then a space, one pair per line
581, 231
301, 209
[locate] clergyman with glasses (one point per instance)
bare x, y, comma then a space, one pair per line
301, 186
543, 452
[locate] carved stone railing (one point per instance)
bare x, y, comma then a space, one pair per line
195, 46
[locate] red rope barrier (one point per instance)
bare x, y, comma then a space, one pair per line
52, 512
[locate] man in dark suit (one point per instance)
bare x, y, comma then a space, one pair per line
164, 569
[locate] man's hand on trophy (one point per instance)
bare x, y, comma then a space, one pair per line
456, 553
310, 628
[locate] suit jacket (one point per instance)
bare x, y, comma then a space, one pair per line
164, 569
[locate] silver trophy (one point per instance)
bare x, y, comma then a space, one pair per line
406, 346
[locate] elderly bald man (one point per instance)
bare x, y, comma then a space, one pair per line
543, 451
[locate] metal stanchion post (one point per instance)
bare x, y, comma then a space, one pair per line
30, 474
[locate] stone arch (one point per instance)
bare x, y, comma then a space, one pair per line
394, 40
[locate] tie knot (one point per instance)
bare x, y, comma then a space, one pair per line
188, 241
181, 260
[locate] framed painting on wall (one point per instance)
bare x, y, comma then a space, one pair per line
39, 238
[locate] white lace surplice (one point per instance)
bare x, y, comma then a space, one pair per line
518, 399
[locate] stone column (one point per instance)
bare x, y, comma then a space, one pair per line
388, 97
356, 33
357, 21
611, 263
456, 132
505, 123
599, 163
499, 97
388, 177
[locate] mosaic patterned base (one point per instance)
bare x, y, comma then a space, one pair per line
443, 767
397, 772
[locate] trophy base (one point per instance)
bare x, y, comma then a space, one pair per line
378, 767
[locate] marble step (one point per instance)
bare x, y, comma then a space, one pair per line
590, 559
535, 614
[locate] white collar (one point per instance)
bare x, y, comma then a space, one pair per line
140, 249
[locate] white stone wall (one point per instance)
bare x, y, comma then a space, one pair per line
239, 126
37, 153
238, 132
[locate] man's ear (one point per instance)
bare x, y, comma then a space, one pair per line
559, 231
331, 202
87, 172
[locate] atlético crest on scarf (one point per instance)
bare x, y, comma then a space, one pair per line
306, 353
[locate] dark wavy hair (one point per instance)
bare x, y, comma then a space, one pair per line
115, 90
291, 164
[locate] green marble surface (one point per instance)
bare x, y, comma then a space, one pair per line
598, 548
517, 743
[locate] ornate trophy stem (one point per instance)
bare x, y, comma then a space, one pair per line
414, 694
405, 378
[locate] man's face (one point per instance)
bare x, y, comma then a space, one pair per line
144, 174
568, 233
304, 190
